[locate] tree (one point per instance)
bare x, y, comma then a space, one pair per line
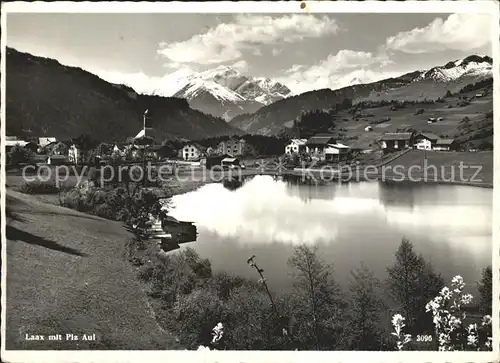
412, 283
19, 154
486, 291
364, 311
317, 121
319, 308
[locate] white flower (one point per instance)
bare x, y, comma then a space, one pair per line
466, 299
217, 332
443, 339
457, 280
471, 328
454, 322
397, 320
445, 293
488, 342
436, 320
486, 320
432, 305
471, 340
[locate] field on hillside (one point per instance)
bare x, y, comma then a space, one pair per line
67, 272
436, 166
426, 89
355, 134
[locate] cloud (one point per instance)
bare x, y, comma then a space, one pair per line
457, 32
276, 51
226, 41
339, 70
143, 84
241, 66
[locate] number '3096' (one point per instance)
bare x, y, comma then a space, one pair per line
424, 338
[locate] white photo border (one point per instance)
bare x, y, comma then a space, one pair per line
488, 6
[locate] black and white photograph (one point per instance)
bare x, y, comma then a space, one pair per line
273, 177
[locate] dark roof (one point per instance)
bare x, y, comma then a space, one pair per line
396, 136
428, 135
445, 141
321, 139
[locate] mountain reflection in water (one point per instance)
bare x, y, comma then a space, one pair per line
350, 223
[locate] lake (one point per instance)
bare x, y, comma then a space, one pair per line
350, 223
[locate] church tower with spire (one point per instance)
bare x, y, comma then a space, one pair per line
146, 135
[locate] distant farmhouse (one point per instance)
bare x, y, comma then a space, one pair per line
11, 141
233, 147
44, 141
192, 151
296, 146
396, 141
318, 143
425, 141
326, 148
445, 145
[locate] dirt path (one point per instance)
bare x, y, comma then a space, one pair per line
67, 273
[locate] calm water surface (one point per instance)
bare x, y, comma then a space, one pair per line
350, 223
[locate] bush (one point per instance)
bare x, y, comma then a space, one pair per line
145, 273
104, 211
18, 155
39, 187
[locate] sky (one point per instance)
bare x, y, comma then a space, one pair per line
303, 51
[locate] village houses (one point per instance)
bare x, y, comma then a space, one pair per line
325, 147
192, 151
10, 142
232, 147
44, 141
296, 146
396, 141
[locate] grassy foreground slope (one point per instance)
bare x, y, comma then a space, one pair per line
67, 272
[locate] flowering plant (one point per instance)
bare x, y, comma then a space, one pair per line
398, 324
217, 332
449, 316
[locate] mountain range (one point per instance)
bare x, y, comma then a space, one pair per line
45, 98
226, 93
428, 84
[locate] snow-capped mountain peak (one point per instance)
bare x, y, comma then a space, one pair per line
198, 86
227, 85
474, 65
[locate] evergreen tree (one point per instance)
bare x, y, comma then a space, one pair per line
364, 310
486, 291
412, 283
